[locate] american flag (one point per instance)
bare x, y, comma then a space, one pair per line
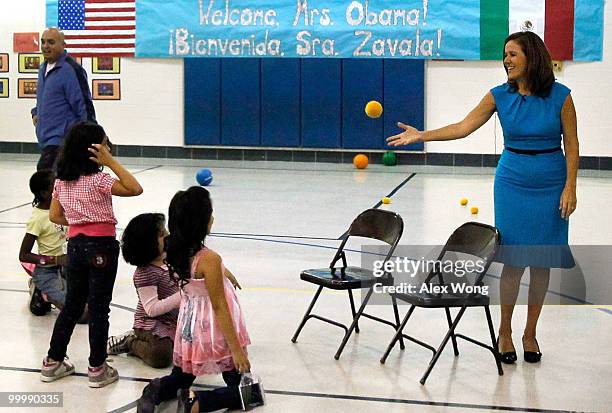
98, 27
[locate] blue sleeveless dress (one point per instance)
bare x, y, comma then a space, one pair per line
527, 187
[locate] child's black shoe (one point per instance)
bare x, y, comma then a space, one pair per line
185, 403
150, 394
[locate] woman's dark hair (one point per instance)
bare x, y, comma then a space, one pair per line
139, 242
74, 157
539, 76
39, 182
188, 218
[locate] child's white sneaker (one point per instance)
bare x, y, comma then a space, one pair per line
101, 376
52, 371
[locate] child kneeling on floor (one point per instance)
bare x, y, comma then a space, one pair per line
211, 335
152, 338
50, 238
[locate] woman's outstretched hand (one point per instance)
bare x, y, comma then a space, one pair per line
409, 136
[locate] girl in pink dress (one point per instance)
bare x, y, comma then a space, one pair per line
211, 335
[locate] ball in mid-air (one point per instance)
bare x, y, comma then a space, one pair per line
373, 109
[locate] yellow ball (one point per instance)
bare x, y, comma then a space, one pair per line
386, 200
373, 109
474, 210
464, 201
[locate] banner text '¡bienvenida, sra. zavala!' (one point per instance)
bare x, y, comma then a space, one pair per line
182, 43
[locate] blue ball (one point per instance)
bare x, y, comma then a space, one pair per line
204, 177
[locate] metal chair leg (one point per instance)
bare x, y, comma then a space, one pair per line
354, 323
398, 333
350, 293
397, 321
454, 339
306, 316
500, 370
448, 335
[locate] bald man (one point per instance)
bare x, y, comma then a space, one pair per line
62, 97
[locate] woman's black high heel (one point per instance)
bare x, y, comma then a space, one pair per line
185, 403
509, 357
533, 356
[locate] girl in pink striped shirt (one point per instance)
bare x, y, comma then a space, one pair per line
82, 200
152, 338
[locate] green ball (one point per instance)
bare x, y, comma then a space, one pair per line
389, 158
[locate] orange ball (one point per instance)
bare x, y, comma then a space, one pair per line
360, 161
474, 210
373, 109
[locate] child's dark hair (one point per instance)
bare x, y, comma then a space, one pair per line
74, 157
39, 182
139, 242
188, 218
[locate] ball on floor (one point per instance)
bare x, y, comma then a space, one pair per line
389, 158
204, 177
463, 201
386, 200
373, 109
360, 161
474, 210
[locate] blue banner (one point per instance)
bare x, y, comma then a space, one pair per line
412, 29
588, 30
418, 29
51, 19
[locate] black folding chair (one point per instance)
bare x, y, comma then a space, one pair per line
472, 239
376, 224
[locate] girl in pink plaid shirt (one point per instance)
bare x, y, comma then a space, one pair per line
82, 200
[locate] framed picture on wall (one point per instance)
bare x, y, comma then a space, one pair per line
110, 65
26, 88
4, 87
30, 62
106, 89
4, 62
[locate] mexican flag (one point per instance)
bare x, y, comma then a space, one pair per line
571, 29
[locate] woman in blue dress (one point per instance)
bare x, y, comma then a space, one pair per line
535, 181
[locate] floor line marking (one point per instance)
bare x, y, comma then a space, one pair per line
329, 396
15, 207
389, 195
147, 169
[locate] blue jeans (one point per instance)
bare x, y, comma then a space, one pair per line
90, 275
50, 282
